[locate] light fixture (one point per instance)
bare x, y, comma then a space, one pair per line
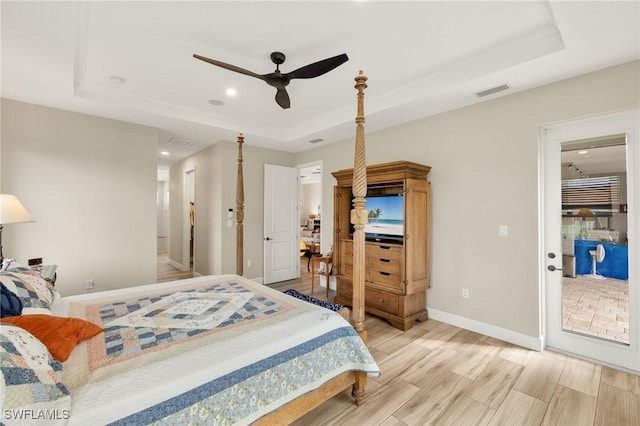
231, 92
164, 152
11, 211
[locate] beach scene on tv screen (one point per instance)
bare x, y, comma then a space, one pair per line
385, 215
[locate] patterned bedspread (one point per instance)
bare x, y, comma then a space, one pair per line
209, 350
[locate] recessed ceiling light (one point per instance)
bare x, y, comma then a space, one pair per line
216, 102
116, 79
231, 92
583, 152
164, 152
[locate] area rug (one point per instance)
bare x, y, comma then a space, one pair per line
332, 306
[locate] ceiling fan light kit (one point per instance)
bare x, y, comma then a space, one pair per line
279, 80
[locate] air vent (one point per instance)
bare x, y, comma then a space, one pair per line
316, 140
182, 142
492, 90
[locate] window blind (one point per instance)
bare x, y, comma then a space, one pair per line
595, 193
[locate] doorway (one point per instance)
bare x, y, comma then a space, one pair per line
310, 211
189, 232
589, 172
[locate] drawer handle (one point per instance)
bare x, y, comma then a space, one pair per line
385, 247
385, 273
385, 260
381, 300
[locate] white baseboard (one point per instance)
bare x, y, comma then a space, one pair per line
176, 265
503, 334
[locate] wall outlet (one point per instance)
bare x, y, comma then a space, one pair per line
249, 263
503, 230
465, 293
88, 284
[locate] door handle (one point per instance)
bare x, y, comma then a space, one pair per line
268, 238
553, 268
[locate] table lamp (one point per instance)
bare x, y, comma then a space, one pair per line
11, 211
582, 213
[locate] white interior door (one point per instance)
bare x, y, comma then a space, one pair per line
281, 247
557, 334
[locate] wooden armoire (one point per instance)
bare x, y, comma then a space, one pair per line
397, 271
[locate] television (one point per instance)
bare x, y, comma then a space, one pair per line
386, 218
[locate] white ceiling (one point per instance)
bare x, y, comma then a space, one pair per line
597, 156
421, 57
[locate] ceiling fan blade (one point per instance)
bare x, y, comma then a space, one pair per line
229, 66
318, 68
282, 98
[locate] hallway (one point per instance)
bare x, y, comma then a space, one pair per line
167, 272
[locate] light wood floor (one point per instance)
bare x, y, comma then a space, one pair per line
166, 272
439, 374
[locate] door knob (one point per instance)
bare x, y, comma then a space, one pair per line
267, 238
553, 268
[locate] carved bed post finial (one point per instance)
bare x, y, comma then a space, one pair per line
239, 210
359, 219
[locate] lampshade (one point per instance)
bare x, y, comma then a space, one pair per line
12, 211
585, 212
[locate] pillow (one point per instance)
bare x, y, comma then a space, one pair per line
10, 304
31, 380
59, 334
35, 293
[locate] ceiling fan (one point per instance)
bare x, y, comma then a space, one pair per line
279, 80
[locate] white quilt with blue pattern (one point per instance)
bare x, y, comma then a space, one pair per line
242, 363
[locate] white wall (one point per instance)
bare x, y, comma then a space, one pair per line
216, 171
484, 161
310, 199
90, 185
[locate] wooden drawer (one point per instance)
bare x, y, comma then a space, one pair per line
373, 299
385, 279
391, 266
347, 270
384, 251
383, 301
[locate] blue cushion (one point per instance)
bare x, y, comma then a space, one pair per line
10, 304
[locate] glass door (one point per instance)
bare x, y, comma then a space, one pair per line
589, 172
594, 232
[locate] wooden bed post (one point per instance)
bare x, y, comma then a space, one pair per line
359, 219
239, 210
359, 214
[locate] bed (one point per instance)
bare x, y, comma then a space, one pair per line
207, 350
